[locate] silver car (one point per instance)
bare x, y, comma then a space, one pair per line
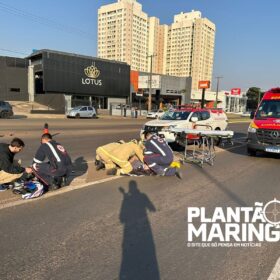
154, 114
81, 112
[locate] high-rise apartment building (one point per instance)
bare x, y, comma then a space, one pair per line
122, 33
190, 47
185, 48
157, 45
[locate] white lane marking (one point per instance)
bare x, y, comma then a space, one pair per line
57, 192
275, 274
240, 121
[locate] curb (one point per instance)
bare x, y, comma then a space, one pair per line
240, 121
57, 192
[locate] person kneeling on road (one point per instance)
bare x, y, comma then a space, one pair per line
11, 171
103, 159
158, 156
121, 155
54, 173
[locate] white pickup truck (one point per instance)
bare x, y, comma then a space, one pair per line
212, 119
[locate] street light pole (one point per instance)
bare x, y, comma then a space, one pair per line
217, 90
150, 82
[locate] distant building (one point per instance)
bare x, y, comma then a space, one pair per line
123, 33
13, 79
165, 89
185, 48
226, 100
64, 80
190, 47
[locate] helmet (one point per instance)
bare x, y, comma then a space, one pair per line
34, 189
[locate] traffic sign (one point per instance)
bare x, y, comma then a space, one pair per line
203, 84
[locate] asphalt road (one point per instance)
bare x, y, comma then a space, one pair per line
133, 228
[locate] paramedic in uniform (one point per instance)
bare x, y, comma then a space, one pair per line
122, 155
158, 156
103, 159
58, 163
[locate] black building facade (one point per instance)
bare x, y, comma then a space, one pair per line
13, 79
79, 80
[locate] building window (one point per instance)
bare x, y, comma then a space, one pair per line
14, 89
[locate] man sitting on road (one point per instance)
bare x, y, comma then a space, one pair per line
158, 156
52, 174
9, 170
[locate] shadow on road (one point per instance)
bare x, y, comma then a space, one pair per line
80, 167
139, 259
238, 145
220, 185
18, 117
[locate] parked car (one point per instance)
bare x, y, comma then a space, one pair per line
154, 114
6, 110
212, 119
264, 130
81, 112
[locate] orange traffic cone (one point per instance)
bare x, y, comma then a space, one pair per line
46, 128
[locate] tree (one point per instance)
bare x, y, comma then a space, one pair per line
254, 95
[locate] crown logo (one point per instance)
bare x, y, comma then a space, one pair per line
92, 71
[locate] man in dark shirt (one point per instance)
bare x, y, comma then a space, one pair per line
10, 171
158, 156
58, 165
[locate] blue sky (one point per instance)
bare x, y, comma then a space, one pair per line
247, 36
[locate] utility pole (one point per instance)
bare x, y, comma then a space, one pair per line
150, 82
217, 90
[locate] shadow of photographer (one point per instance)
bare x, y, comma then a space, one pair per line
139, 259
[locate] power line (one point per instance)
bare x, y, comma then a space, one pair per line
41, 20
44, 21
13, 51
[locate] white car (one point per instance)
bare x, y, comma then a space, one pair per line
154, 114
209, 119
81, 112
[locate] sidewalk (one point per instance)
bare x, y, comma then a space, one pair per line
22, 115
62, 116
22, 110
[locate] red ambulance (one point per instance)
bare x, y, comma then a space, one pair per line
264, 130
